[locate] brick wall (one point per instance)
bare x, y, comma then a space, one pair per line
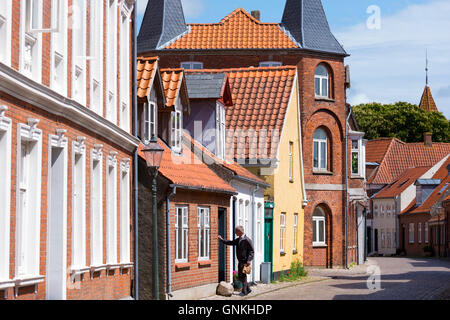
416, 248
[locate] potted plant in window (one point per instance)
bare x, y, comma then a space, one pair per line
237, 284
428, 251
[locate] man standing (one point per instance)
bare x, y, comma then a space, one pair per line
244, 253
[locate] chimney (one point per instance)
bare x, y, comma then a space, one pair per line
428, 139
256, 14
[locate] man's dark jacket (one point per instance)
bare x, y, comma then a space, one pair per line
244, 248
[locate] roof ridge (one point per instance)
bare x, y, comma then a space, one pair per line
231, 15
242, 69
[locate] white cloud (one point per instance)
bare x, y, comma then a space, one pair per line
192, 8
389, 64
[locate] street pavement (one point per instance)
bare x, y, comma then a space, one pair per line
399, 279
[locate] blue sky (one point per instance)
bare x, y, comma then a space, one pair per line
387, 64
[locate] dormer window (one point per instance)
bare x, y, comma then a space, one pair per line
149, 121
175, 133
192, 65
322, 82
270, 64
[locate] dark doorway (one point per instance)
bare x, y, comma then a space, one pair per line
268, 236
369, 240
376, 240
403, 238
222, 253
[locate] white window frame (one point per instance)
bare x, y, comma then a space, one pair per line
320, 156
79, 211
111, 209
6, 31
182, 230
124, 65
411, 232
96, 60
176, 126
291, 161
79, 69
388, 210
282, 232
5, 192
295, 233
419, 232
111, 61
97, 206
28, 219
58, 77
316, 223
204, 232
125, 212
381, 210
189, 65
426, 232
150, 109
30, 44
356, 151
321, 79
220, 131
270, 64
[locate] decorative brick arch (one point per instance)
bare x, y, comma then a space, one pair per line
331, 79
323, 256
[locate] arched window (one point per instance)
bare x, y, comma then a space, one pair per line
319, 230
320, 148
322, 81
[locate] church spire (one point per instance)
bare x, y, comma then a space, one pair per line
427, 102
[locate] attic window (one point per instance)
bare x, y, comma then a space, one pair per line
270, 64
192, 65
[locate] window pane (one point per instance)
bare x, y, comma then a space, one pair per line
355, 144
323, 155
316, 154
321, 70
325, 87
355, 162
314, 231
322, 231
317, 86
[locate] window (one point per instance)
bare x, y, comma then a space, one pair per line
383, 240
322, 82
96, 207
375, 210
78, 205
203, 233
31, 42
28, 224
125, 68
176, 131
125, 212
282, 231
291, 161
220, 131
111, 210
149, 121
295, 232
79, 51
319, 230
192, 65
382, 211
5, 193
426, 232
356, 158
96, 56
5, 31
388, 236
181, 234
419, 232
320, 148
270, 64
411, 233
388, 210
259, 228
111, 61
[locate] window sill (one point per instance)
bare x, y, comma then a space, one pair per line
282, 253
79, 270
204, 263
6, 284
322, 172
97, 268
182, 266
356, 177
28, 281
113, 266
126, 265
326, 99
320, 245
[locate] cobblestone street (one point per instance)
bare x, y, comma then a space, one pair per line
401, 278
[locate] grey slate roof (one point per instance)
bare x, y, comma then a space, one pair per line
163, 21
307, 23
205, 85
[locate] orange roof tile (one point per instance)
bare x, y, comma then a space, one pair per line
260, 101
173, 81
400, 156
427, 102
146, 72
406, 179
238, 30
376, 149
187, 170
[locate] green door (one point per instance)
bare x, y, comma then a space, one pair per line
268, 235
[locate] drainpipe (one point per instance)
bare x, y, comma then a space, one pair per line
169, 267
346, 186
253, 230
135, 169
234, 228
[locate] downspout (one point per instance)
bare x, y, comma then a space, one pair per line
169, 266
136, 159
234, 227
253, 229
346, 186
305, 200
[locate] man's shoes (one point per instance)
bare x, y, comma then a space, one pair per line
243, 294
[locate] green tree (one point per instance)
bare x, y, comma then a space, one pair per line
401, 120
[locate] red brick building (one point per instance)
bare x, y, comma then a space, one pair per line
302, 39
66, 150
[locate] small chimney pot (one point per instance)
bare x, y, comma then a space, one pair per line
256, 14
428, 139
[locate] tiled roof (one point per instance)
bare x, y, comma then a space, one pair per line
406, 179
376, 149
231, 165
400, 156
173, 83
427, 102
260, 101
187, 170
238, 30
146, 72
